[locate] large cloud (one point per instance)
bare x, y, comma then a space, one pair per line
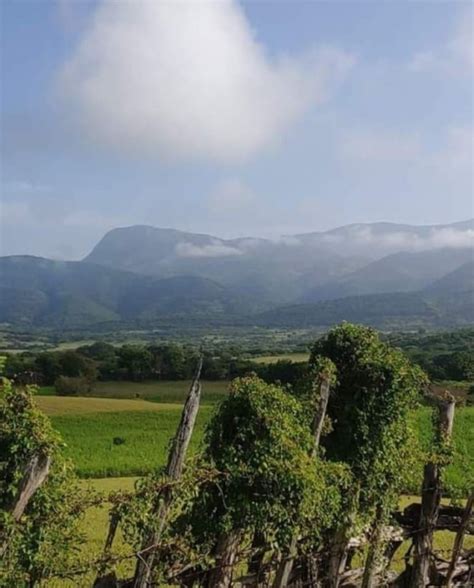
187, 79
215, 249
435, 238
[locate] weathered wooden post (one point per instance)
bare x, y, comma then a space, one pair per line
36, 472
114, 519
372, 565
430, 499
322, 387
174, 469
459, 539
225, 553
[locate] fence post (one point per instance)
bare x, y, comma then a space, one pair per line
174, 468
321, 403
430, 500
36, 472
459, 539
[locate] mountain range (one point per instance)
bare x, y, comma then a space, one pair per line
380, 273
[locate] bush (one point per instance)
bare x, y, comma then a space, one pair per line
66, 386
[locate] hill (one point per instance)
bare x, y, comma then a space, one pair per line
182, 278
41, 292
399, 310
374, 309
398, 272
351, 260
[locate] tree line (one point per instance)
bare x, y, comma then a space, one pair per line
76, 371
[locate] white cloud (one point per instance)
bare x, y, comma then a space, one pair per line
214, 249
188, 79
380, 146
436, 238
455, 57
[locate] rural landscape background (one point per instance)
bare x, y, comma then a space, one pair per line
236, 294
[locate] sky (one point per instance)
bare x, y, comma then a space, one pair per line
231, 118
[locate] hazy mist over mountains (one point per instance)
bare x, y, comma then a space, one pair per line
377, 273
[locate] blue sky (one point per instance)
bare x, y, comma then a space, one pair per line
256, 118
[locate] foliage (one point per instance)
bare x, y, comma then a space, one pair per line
44, 542
68, 386
444, 355
259, 441
376, 389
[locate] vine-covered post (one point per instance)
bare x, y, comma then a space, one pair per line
36, 472
260, 443
459, 539
323, 374
376, 389
372, 564
173, 470
431, 498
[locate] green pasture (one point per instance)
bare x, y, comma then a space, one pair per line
154, 391
127, 443
296, 357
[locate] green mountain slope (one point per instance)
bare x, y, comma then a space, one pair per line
399, 272
375, 309
41, 292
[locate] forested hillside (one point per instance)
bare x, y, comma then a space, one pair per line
142, 275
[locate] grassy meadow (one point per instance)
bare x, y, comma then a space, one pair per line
296, 357
145, 416
173, 392
143, 436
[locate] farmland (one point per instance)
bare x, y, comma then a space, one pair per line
141, 439
89, 426
173, 392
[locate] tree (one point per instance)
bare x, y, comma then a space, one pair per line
44, 541
136, 360
49, 366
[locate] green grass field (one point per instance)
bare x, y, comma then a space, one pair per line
74, 405
89, 440
155, 391
89, 426
460, 474
296, 357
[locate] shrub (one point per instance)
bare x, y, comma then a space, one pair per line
45, 541
66, 386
